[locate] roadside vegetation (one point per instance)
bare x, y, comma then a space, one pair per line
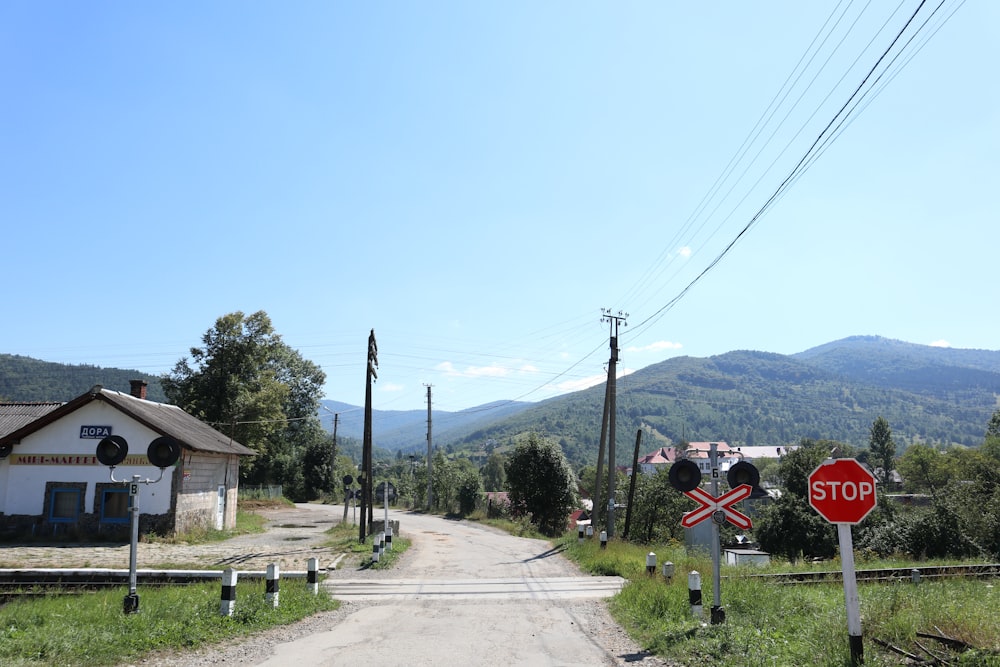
782, 624
91, 628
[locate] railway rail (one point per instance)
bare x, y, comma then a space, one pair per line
888, 574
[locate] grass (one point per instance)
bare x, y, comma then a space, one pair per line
91, 629
776, 625
344, 538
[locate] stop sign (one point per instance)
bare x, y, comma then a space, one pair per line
842, 490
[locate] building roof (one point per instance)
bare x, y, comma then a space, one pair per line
661, 455
16, 415
165, 419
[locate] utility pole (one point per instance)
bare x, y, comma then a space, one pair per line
333, 457
367, 484
614, 321
430, 465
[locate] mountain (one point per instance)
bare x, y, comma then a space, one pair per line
406, 430
835, 391
24, 379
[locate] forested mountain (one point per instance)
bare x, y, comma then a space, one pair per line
23, 379
834, 391
927, 394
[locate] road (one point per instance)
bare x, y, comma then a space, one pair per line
471, 595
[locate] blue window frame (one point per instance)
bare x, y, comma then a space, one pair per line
114, 506
64, 504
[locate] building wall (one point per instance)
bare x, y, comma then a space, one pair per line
198, 491
62, 455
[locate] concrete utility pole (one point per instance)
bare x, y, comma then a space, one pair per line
614, 321
333, 454
430, 465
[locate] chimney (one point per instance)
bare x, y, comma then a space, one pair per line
138, 388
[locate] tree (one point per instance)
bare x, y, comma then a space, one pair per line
493, 473
249, 384
883, 448
541, 483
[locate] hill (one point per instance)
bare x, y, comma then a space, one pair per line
34, 381
928, 394
834, 391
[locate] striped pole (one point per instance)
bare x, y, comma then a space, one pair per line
694, 593
229, 576
273, 583
381, 543
312, 577
388, 538
579, 534
375, 551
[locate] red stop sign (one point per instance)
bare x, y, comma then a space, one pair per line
842, 490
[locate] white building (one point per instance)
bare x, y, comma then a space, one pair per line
51, 480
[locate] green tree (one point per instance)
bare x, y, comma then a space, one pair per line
657, 509
924, 469
493, 473
249, 384
541, 483
470, 491
882, 448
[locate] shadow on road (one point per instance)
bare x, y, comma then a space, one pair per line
545, 554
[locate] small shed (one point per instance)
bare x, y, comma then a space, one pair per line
51, 480
737, 556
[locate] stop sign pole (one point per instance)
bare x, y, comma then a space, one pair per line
842, 491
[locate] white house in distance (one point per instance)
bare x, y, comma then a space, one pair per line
51, 480
699, 453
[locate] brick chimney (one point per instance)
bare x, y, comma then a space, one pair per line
138, 388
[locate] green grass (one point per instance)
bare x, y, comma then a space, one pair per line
344, 538
777, 625
91, 629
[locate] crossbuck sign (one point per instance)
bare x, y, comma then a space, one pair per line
710, 505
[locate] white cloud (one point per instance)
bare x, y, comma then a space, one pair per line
390, 386
658, 346
590, 381
684, 252
449, 369
941, 343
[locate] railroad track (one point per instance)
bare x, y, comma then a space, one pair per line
889, 574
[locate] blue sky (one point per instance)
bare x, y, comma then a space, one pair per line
476, 181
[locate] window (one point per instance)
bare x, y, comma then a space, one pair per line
114, 506
64, 504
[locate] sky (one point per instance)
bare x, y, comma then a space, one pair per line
477, 181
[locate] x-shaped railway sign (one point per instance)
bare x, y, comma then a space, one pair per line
710, 505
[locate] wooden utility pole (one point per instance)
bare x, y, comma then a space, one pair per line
614, 320
631, 484
367, 483
430, 454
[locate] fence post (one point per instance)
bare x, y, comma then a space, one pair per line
229, 576
312, 577
273, 584
694, 592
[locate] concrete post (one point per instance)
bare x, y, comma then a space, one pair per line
228, 604
273, 584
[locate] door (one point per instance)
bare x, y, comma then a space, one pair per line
220, 512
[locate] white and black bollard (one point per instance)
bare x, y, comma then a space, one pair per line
668, 571
388, 539
312, 576
604, 539
590, 531
273, 584
375, 551
694, 593
229, 577
579, 534
915, 576
381, 543
651, 563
